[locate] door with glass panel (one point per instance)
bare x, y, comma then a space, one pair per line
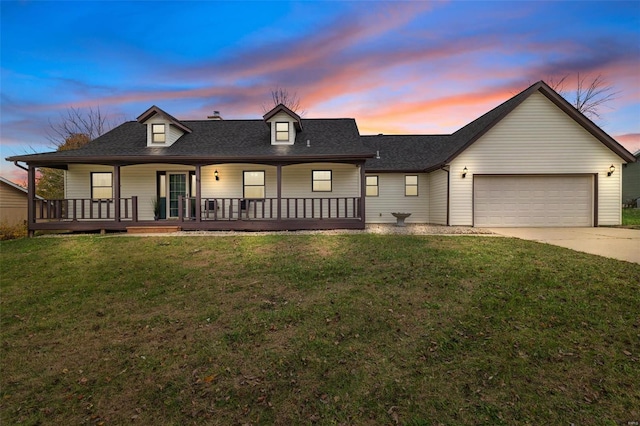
178, 186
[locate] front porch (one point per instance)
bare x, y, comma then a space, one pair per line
222, 196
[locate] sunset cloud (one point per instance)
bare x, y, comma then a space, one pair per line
631, 141
396, 67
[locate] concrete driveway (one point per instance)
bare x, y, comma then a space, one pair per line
616, 243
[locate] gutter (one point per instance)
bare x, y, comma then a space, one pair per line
181, 159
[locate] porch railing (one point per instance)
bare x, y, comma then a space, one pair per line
75, 209
215, 213
267, 208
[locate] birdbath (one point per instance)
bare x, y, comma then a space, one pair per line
400, 217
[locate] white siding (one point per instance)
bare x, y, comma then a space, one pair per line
438, 197
78, 179
296, 180
391, 199
231, 180
296, 183
536, 138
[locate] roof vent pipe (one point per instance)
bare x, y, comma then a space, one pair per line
377, 155
308, 143
216, 116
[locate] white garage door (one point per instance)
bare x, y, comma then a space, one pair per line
511, 201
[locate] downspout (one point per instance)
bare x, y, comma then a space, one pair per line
448, 194
363, 190
116, 191
31, 196
21, 167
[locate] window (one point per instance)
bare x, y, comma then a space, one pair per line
371, 186
254, 184
321, 181
101, 185
411, 186
162, 184
282, 132
159, 135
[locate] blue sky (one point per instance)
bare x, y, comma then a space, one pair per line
396, 67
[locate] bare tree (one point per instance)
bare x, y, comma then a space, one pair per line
284, 97
76, 121
75, 129
587, 95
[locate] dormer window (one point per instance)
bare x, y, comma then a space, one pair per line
283, 125
162, 129
158, 133
282, 131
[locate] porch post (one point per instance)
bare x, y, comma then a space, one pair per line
198, 193
134, 209
279, 190
363, 190
31, 196
116, 192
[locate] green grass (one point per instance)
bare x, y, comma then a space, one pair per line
302, 329
631, 217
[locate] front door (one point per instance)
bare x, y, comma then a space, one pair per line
178, 186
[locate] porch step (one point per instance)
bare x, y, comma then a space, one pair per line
152, 229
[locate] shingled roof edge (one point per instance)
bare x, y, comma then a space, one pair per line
157, 110
512, 103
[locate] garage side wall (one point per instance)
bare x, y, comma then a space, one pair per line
536, 138
391, 199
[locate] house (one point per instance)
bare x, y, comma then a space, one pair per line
532, 161
631, 182
13, 203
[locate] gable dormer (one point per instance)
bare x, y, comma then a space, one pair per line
162, 128
284, 125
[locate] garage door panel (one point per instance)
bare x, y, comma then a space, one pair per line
533, 201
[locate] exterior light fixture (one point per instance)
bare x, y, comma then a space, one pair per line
464, 172
216, 175
611, 170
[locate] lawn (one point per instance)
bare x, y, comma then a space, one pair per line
316, 329
631, 217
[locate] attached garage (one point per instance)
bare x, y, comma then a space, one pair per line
533, 200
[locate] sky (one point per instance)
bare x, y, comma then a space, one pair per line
396, 67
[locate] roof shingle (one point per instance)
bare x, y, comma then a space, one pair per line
222, 139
